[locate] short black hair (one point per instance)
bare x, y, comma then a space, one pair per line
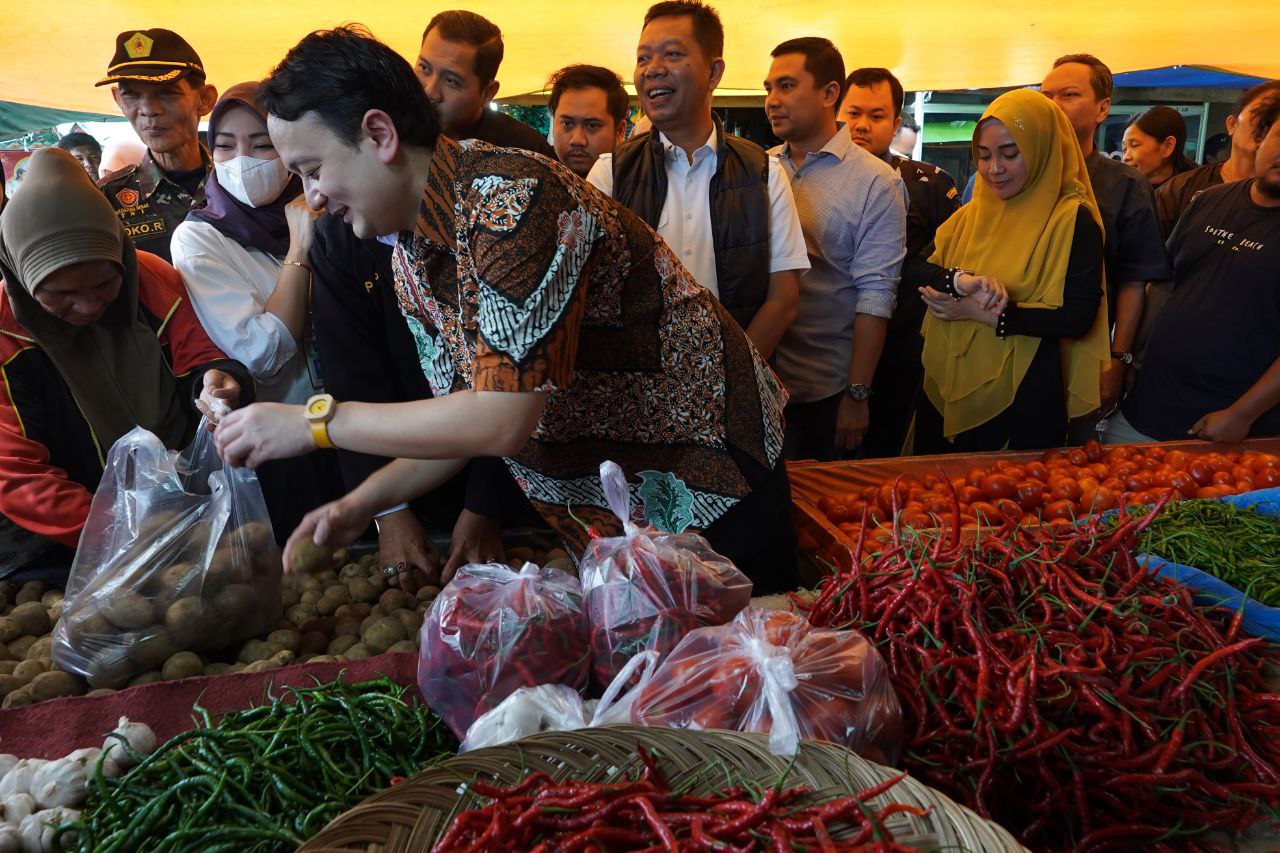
821, 59
1265, 115
459, 25
1161, 122
1253, 93
591, 77
1099, 74
340, 75
77, 139
707, 29
865, 78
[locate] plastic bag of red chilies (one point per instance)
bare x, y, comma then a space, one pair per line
493, 630
646, 589
772, 672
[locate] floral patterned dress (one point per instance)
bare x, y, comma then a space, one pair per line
521, 277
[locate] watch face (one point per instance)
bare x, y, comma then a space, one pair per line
318, 407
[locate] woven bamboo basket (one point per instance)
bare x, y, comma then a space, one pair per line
412, 815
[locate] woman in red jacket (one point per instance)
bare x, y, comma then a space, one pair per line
95, 339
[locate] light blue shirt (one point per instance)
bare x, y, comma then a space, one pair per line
853, 212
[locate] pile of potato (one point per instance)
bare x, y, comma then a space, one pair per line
336, 614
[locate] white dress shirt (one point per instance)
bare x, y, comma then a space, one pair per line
685, 223
229, 286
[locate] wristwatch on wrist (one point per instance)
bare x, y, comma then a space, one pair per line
1125, 358
858, 392
318, 412
955, 274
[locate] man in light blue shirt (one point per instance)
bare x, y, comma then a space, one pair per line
853, 211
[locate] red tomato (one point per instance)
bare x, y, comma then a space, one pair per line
825, 503
986, 510
870, 493
1267, 477
1265, 460
916, 519
939, 506
885, 499
1201, 472
932, 481
1242, 486
1114, 484
1151, 464
1183, 483
1030, 495
1177, 458
974, 477
1103, 499
1058, 509
1114, 453
1099, 470
1093, 450
1222, 478
1241, 472
1000, 466
996, 486
1066, 489
1124, 469
1137, 482
1087, 483
1037, 471
1050, 455
1155, 451
969, 494
856, 509
840, 513
1077, 457
1162, 478
1009, 509
1206, 493
1017, 472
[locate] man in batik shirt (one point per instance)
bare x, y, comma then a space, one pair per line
555, 328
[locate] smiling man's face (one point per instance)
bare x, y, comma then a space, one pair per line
673, 78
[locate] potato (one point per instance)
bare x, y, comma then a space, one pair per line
10, 629
346, 625
156, 522
235, 601
289, 595
384, 633
111, 667
257, 536
217, 669
55, 684
188, 619
556, 554
51, 598
32, 618
346, 610
127, 610
313, 643
10, 683
151, 646
428, 592
177, 580
30, 592
339, 645
358, 652
19, 647
351, 571
394, 599
310, 584
524, 555
145, 678
87, 622
298, 614
40, 649
256, 650
8, 590
182, 665
18, 699
223, 569
8, 666
29, 669
361, 609
564, 564
286, 638
55, 612
279, 659
369, 562
361, 589
410, 618
309, 557
100, 691
404, 646
369, 620
323, 659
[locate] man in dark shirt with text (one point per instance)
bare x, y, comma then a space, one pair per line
1134, 251
872, 110
1212, 368
158, 82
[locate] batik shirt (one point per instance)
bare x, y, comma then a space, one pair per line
521, 277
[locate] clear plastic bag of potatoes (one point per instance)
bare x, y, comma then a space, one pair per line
177, 554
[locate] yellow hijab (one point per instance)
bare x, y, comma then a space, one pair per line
970, 375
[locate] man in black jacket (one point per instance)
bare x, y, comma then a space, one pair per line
718, 201
366, 350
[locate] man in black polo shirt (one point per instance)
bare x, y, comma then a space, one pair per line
872, 110
158, 82
1212, 367
1134, 251
1175, 194
366, 350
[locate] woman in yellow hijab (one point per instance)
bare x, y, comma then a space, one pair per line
1018, 348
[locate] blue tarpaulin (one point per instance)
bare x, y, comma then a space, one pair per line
1186, 76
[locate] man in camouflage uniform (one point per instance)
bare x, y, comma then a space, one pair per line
158, 82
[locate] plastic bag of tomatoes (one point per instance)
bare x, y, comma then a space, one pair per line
645, 590
772, 672
493, 630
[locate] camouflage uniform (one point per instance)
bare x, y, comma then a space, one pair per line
149, 204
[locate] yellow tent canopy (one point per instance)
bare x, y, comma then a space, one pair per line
52, 54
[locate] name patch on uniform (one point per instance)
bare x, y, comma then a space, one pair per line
127, 197
146, 228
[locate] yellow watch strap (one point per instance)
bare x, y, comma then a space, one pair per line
320, 435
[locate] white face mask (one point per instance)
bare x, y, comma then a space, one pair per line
254, 182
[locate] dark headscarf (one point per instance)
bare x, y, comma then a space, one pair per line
263, 227
115, 367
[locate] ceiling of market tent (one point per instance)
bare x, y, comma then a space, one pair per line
52, 54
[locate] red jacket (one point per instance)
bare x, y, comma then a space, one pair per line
50, 461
